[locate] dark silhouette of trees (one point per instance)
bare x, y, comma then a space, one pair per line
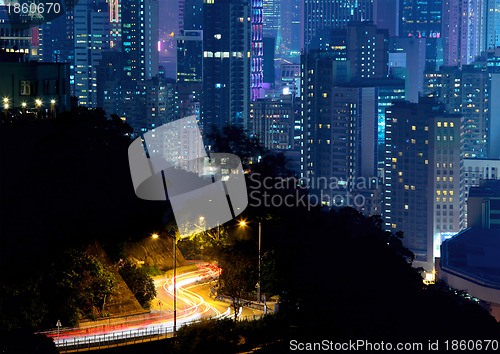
139, 282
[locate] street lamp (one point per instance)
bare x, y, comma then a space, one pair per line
244, 223
38, 103
23, 105
6, 109
52, 108
154, 235
175, 283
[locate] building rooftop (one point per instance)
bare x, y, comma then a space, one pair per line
488, 188
474, 254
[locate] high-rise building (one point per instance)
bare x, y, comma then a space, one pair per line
226, 51
190, 41
386, 15
268, 71
190, 56
407, 61
464, 30
475, 172
493, 24
91, 39
190, 15
320, 71
340, 128
367, 50
272, 22
291, 28
321, 16
423, 194
465, 92
140, 38
257, 53
273, 121
422, 19
388, 90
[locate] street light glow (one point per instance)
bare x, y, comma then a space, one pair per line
154, 235
52, 101
6, 100
6, 106
38, 102
23, 104
242, 223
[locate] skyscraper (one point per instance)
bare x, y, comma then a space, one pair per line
367, 50
422, 19
423, 194
465, 92
272, 21
140, 38
464, 30
92, 38
321, 16
257, 54
226, 51
190, 56
493, 24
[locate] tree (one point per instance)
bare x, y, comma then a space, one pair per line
139, 282
80, 284
239, 266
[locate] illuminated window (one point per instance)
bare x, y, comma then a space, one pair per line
413, 141
438, 192
438, 179
400, 173
413, 127
439, 124
393, 226
406, 207
445, 124
451, 124
394, 159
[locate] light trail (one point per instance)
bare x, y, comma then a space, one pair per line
190, 307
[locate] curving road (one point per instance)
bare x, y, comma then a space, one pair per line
193, 303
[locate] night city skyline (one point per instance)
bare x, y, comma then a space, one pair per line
236, 176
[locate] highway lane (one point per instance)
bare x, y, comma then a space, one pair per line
193, 303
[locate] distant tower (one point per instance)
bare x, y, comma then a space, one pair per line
422, 19
226, 52
272, 21
140, 38
257, 55
465, 30
423, 177
321, 16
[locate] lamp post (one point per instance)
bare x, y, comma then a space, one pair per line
243, 223
38, 103
23, 105
6, 107
175, 284
6, 110
52, 108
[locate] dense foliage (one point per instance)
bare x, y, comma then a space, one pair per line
139, 282
64, 184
